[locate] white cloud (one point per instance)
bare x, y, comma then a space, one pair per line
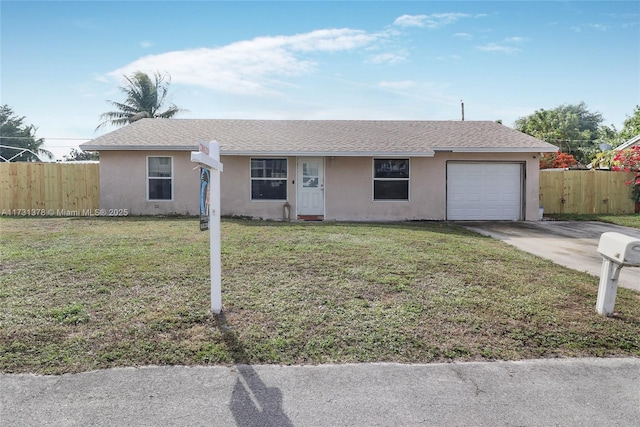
388, 58
507, 45
433, 21
464, 36
495, 47
430, 91
440, 19
410, 21
250, 66
404, 84
145, 44
597, 27
600, 27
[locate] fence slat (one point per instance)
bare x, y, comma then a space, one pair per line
53, 187
585, 192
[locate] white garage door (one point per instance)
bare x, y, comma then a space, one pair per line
484, 191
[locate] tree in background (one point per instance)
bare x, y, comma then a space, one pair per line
80, 155
18, 142
631, 126
557, 160
573, 128
145, 98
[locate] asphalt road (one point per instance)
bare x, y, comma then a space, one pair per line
572, 244
556, 392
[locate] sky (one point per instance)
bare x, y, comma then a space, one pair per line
62, 61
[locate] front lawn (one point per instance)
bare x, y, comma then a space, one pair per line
91, 293
631, 220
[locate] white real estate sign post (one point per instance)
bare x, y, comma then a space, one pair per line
209, 157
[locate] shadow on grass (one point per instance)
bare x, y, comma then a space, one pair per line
252, 402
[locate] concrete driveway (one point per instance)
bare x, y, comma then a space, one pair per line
572, 244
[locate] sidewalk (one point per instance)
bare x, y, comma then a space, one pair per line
567, 392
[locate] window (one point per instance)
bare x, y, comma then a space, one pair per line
391, 179
268, 179
160, 178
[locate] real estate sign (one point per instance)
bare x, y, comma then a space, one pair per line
205, 198
210, 167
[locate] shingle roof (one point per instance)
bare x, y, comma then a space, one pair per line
319, 137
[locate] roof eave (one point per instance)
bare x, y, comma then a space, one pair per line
497, 150
90, 147
628, 144
328, 153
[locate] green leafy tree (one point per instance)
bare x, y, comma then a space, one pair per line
573, 128
145, 98
18, 142
80, 155
631, 126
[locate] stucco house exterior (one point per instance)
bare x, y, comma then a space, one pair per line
344, 170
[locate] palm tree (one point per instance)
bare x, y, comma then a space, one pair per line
145, 99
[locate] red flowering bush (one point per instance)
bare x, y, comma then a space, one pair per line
557, 160
629, 161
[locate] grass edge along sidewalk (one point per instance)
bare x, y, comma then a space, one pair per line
90, 293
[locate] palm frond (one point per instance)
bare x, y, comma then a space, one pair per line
144, 98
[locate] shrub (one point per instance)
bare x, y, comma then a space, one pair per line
628, 160
557, 160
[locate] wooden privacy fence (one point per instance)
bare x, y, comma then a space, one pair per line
585, 192
49, 189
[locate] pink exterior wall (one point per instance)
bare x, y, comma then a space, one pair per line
123, 183
348, 187
235, 189
349, 192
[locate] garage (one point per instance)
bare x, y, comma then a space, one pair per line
484, 191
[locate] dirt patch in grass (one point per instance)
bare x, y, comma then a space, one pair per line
92, 293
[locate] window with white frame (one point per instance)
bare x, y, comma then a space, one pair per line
390, 179
160, 178
268, 179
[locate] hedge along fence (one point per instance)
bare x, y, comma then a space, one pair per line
585, 192
49, 189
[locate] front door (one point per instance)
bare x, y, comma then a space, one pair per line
310, 198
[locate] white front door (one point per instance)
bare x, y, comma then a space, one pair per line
310, 199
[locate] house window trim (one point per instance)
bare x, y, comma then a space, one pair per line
286, 180
156, 177
374, 179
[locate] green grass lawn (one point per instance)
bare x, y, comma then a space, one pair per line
88, 293
631, 220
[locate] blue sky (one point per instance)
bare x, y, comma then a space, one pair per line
415, 60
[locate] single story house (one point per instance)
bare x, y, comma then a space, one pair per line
344, 170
